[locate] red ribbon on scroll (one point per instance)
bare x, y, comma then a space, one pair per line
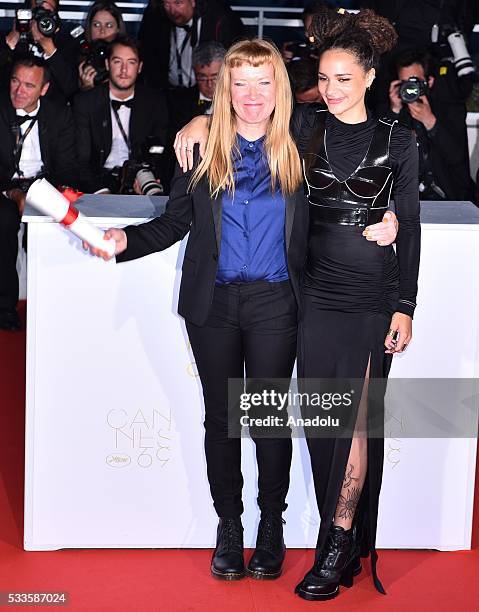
70, 217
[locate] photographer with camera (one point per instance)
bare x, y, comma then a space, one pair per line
304, 49
303, 76
103, 24
440, 129
36, 139
38, 31
121, 127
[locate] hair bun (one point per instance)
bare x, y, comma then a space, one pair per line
328, 25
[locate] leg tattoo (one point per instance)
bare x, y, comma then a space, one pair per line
348, 477
347, 503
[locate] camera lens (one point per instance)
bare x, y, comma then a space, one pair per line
147, 182
411, 90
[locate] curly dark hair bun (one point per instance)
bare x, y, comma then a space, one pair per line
365, 34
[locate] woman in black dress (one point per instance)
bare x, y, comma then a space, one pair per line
358, 299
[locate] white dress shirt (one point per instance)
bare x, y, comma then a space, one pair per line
176, 43
119, 150
30, 162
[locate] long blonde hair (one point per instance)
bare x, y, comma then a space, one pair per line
283, 158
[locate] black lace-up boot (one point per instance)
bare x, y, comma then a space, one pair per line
267, 560
228, 562
336, 565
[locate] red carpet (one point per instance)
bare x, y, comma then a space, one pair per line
179, 580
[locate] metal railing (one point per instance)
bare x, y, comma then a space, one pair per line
133, 13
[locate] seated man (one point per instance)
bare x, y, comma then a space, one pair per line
36, 139
186, 103
440, 129
114, 121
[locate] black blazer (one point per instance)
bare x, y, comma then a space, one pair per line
93, 128
218, 23
57, 143
183, 103
200, 215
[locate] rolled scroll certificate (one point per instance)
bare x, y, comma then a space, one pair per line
48, 200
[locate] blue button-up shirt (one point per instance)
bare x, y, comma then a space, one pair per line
252, 224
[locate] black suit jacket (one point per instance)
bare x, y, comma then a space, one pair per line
92, 113
218, 23
57, 143
183, 104
446, 146
200, 215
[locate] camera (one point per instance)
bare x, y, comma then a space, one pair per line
412, 89
23, 18
144, 169
94, 54
302, 50
47, 21
461, 59
23, 183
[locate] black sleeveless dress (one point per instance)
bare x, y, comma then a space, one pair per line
351, 287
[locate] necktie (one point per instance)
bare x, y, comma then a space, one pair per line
117, 104
23, 118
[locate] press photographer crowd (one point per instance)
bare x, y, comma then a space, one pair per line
93, 108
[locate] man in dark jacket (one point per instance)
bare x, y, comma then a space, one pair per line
171, 29
440, 129
36, 139
113, 121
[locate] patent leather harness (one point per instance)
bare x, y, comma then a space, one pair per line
363, 197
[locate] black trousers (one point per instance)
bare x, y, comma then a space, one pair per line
9, 226
251, 327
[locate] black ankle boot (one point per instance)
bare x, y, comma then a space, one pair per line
267, 560
228, 562
336, 565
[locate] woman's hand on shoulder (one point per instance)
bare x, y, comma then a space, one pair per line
385, 232
399, 334
194, 132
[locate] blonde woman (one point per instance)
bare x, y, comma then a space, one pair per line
247, 216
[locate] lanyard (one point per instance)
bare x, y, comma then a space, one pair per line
17, 151
122, 130
179, 53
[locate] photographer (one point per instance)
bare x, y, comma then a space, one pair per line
113, 122
36, 139
443, 27
171, 29
296, 50
103, 24
38, 31
303, 76
440, 129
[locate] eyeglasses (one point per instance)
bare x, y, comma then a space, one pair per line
211, 79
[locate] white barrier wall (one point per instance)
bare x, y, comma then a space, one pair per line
114, 439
